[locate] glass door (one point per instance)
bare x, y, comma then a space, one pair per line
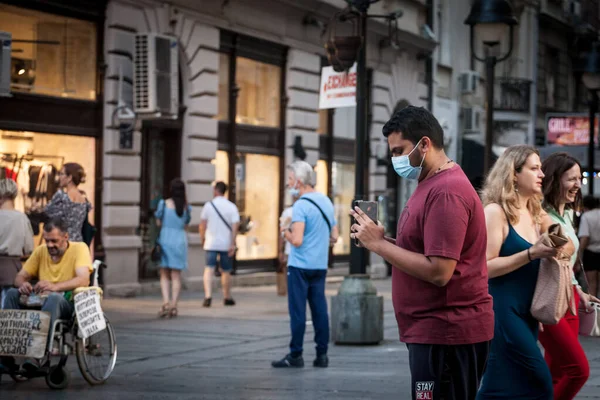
161, 163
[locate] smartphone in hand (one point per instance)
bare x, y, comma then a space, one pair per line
369, 208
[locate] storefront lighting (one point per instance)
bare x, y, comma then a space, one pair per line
21, 71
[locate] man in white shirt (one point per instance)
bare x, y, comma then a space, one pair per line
219, 225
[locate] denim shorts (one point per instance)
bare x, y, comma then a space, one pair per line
225, 262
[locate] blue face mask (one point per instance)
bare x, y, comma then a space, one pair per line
294, 192
404, 169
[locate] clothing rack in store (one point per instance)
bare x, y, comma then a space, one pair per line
10, 158
32, 156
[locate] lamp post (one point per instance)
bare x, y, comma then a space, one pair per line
491, 21
343, 51
590, 69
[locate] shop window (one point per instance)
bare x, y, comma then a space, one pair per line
43, 151
57, 56
223, 87
257, 198
342, 178
221, 163
259, 99
344, 123
322, 177
323, 128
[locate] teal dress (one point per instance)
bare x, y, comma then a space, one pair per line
516, 369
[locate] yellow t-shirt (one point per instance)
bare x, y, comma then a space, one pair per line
40, 263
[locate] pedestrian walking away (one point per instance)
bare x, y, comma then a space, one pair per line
313, 230
173, 216
439, 280
512, 197
564, 355
219, 225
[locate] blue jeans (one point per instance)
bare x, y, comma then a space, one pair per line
307, 284
226, 262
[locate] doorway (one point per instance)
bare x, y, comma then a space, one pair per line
161, 163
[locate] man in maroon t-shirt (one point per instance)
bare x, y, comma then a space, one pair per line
440, 280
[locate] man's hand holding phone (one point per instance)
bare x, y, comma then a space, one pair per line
365, 228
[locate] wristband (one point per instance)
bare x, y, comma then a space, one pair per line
529, 254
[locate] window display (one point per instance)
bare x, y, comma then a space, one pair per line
259, 99
257, 198
322, 177
342, 177
34, 159
51, 54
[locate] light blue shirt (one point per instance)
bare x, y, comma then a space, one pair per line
314, 251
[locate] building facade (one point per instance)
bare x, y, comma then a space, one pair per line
250, 80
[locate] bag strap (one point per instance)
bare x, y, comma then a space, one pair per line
322, 213
220, 216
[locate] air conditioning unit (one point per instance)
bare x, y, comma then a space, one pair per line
469, 80
156, 78
471, 117
5, 63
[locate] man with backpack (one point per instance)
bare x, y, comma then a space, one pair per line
313, 229
219, 223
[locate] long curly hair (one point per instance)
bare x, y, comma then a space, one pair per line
500, 188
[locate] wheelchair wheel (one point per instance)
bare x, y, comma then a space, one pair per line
58, 377
97, 355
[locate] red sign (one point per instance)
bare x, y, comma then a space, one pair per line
569, 130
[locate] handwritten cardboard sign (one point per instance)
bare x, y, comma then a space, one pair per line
24, 333
90, 317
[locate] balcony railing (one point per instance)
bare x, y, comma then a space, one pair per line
512, 94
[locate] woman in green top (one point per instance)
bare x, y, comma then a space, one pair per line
563, 352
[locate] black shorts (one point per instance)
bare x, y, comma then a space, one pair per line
446, 372
591, 260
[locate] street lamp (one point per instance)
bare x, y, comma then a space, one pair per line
491, 21
590, 68
342, 52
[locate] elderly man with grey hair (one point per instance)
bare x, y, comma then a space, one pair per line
312, 231
16, 236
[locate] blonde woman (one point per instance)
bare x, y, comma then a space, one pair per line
512, 197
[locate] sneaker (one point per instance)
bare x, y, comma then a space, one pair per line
321, 361
229, 302
289, 362
207, 302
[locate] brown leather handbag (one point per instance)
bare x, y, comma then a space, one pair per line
554, 289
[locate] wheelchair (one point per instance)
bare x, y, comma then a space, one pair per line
96, 355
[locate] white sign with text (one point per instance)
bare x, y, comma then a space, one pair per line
338, 89
24, 333
90, 317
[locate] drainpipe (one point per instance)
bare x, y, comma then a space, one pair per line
533, 16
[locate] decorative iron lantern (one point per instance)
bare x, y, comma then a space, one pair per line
342, 51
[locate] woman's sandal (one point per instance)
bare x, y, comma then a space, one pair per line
173, 312
165, 311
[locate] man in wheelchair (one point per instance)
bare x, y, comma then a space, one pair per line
59, 266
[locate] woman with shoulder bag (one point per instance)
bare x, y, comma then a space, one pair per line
563, 352
512, 199
172, 215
